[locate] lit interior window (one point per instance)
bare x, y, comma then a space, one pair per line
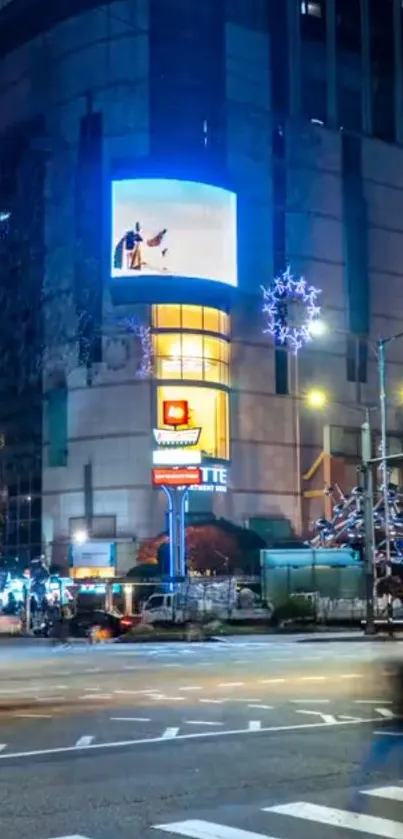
311, 8
208, 410
191, 356
197, 318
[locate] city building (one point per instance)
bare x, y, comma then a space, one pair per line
291, 112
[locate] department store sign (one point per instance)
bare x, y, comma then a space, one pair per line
213, 479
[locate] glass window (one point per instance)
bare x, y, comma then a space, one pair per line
224, 323
211, 320
208, 410
192, 317
212, 348
191, 356
166, 317
197, 318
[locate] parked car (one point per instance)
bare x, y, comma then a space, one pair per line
85, 620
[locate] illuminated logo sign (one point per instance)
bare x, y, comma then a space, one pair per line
166, 228
176, 477
175, 412
213, 479
177, 457
171, 437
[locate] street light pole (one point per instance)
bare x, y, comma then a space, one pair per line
384, 448
382, 343
369, 541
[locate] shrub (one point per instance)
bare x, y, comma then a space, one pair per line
294, 610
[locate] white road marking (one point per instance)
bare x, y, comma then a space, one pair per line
3, 746
373, 825
161, 696
263, 707
173, 665
86, 740
96, 696
202, 722
197, 829
93, 689
312, 679
130, 719
309, 701
170, 733
351, 676
136, 692
191, 687
372, 702
254, 725
329, 719
33, 716
389, 733
212, 701
57, 698
198, 735
389, 793
272, 681
72, 837
386, 713
231, 684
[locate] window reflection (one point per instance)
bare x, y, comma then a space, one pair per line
196, 318
191, 356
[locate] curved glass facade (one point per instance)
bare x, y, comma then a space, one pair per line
191, 343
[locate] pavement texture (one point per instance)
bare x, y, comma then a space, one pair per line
244, 739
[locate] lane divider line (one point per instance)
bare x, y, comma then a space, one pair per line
119, 744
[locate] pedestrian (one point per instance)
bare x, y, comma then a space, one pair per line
387, 739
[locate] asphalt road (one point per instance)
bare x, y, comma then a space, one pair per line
164, 740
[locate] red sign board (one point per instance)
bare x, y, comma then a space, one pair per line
176, 477
175, 412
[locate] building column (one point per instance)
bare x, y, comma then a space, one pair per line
294, 36
366, 69
331, 63
397, 36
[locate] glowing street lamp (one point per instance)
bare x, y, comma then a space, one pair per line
318, 328
80, 537
316, 398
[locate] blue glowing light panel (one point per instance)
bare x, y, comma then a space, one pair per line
172, 228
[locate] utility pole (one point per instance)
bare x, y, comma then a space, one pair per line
369, 542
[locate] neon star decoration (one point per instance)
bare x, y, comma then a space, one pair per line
289, 289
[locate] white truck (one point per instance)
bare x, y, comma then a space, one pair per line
192, 600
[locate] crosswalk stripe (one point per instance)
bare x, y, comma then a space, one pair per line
196, 829
390, 793
346, 819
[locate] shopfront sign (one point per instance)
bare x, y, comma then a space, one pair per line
176, 477
177, 457
213, 479
93, 555
172, 437
175, 412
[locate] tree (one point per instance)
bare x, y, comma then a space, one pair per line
215, 545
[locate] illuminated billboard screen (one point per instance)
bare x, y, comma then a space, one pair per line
171, 228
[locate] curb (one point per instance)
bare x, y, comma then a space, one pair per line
365, 639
